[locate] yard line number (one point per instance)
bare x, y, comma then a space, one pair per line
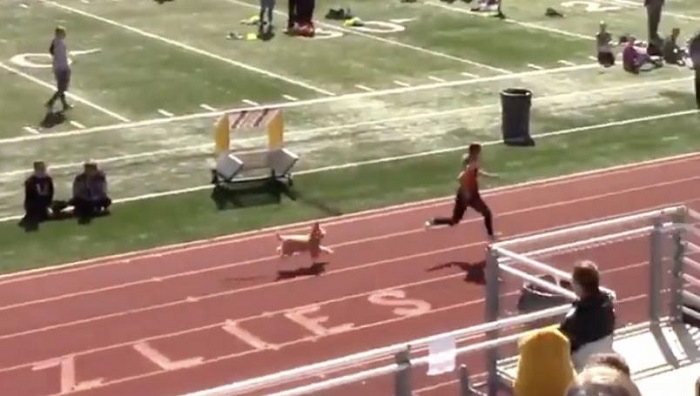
591, 6
43, 61
374, 27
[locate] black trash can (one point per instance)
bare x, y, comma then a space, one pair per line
515, 117
534, 298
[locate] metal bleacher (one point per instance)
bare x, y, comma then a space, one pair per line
663, 351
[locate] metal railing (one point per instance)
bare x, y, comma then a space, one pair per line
501, 259
688, 274
329, 365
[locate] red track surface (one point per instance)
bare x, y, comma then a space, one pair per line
153, 323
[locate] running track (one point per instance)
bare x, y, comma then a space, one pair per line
183, 318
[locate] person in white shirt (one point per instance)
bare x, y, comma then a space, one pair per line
61, 69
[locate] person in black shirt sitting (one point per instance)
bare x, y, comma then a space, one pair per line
590, 324
90, 192
38, 194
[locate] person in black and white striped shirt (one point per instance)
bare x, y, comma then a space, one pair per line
61, 69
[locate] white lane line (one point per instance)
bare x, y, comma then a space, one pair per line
290, 98
189, 48
383, 160
250, 102
68, 94
316, 101
165, 113
393, 43
31, 130
364, 88
207, 107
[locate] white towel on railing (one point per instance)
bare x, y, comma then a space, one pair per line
442, 356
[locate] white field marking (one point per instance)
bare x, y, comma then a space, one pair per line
77, 124
163, 361
349, 243
390, 42
377, 324
207, 107
348, 218
149, 154
438, 79
31, 130
470, 75
350, 165
401, 83
593, 58
364, 88
533, 66
189, 48
309, 102
165, 113
519, 23
23, 4
52, 362
566, 63
68, 94
290, 98
669, 138
250, 102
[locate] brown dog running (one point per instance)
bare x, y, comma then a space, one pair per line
293, 244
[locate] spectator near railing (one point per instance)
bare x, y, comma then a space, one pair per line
604, 374
544, 368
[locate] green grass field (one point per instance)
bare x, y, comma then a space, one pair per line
149, 81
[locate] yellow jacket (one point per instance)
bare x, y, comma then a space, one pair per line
544, 368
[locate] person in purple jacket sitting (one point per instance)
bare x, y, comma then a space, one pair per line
632, 59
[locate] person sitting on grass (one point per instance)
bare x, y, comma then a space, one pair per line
38, 194
634, 60
90, 192
672, 53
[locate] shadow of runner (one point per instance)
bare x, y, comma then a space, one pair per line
315, 269
52, 119
473, 272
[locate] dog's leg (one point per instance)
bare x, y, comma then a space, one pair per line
327, 250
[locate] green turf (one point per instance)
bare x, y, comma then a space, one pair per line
193, 216
176, 57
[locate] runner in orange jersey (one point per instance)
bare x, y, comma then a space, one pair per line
468, 194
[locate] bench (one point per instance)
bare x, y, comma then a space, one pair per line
232, 168
267, 172
661, 359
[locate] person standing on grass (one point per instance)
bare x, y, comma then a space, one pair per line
291, 16
468, 194
606, 57
61, 69
694, 53
267, 10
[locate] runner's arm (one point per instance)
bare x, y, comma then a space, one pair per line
487, 174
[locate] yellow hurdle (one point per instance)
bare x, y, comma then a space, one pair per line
270, 119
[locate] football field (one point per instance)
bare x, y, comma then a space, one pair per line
150, 80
